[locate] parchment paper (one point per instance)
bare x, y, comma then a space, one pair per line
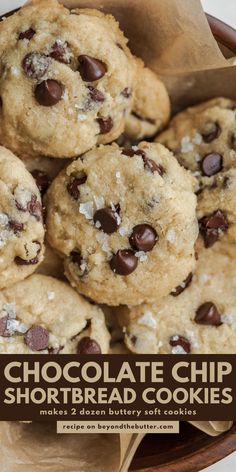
174, 39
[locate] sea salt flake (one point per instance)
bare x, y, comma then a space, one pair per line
147, 319
103, 241
65, 96
197, 157
141, 255
23, 196
4, 220
197, 138
170, 235
10, 309
204, 278
135, 148
82, 117
51, 295
123, 230
14, 326
99, 202
229, 317
186, 145
98, 225
86, 209
14, 71
178, 350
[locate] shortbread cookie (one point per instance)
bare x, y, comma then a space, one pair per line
44, 170
66, 80
151, 106
203, 137
21, 226
44, 315
198, 317
124, 220
217, 209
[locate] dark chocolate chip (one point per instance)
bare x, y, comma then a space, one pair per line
88, 346
91, 69
181, 341
16, 226
105, 124
211, 226
211, 164
180, 288
108, 219
42, 180
128, 152
233, 140
55, 350
95, 94
207, 314
126, 93
34, 207
28, 34
153, 166
3, 326
49, 92
35, 65
76, 257
24, 262
37, 338
124, 262
74, 184
212, 132
60, 52
143, 238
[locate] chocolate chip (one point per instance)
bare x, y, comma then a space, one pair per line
55, 350
153, 166
212, 164
106, 124
107, 219
178, 290
37, 338
181, 341
35, 65
95, 94
60, 51
211, 226
211, 132
3, 326
126, 92
233, 140
207, 314
49, 92
128, 152
76, 257
42, 180
34, 207
16, 226
28, 34
88, 346
143, 238
91, 69
124, 262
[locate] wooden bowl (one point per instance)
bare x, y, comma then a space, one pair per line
191, 450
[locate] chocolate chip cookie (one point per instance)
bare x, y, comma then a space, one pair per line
21, 222
66, 80
199, 316
203, 137
124, 220
44, 170
44, 315
151, 105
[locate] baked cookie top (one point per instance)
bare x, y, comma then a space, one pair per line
66, 80
124, 220
21, 222
42, 314
198, 317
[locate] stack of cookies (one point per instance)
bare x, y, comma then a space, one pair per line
113, 238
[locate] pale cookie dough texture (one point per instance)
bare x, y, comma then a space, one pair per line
21, 222
203, 137
151, 105
42, 314
124, 220
66, 80
199, 316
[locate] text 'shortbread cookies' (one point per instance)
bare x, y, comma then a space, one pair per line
151, 105
203, 137
199, 316
66, 80
124, 220
44, 315
21, 222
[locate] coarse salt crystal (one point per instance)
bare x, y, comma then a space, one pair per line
147, 319
4, 220
123, 230
141, 255
178, 350
86, 209
10, 309
186, 144
51, 295
197, 138
170, 235
99, 202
